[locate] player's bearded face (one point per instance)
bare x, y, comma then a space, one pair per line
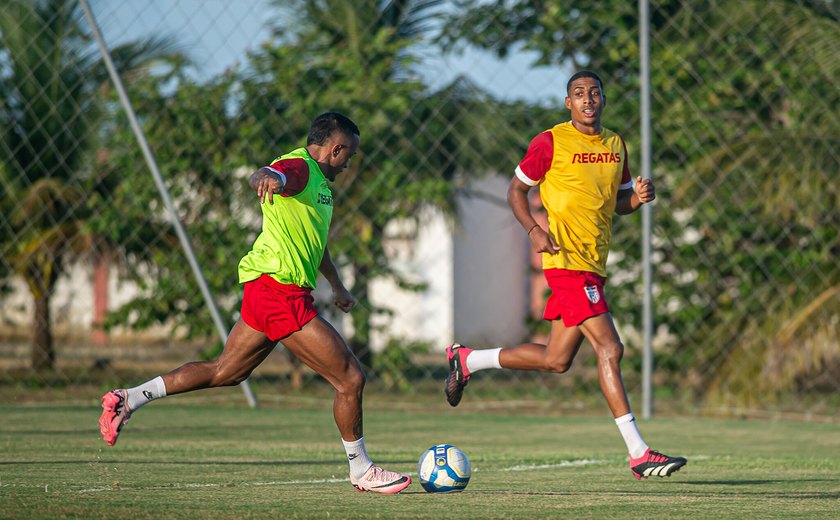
586, 101
340, 154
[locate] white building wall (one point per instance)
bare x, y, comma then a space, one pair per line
475, 276
491, 293
71, 305
425, 315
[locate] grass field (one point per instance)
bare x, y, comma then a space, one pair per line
188, 457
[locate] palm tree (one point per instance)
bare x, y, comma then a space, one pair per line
50, 81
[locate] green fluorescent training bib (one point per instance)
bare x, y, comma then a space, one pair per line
294, 232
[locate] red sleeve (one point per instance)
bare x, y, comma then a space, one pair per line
626, 180
297, 175
537, 161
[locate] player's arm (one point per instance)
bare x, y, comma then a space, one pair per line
341, 296
266, 182
631, 199
631, 196
517, 197
532, 168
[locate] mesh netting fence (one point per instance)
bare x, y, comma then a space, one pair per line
96, 288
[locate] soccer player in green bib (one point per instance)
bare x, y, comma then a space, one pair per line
279, 274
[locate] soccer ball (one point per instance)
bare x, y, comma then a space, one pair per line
443, 468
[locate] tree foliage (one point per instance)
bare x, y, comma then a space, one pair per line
417, 146
50, 76
194, 137
356, 57
744, 146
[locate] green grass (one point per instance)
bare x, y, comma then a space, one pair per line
189, 457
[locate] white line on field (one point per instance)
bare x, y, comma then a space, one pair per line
179, 485
524, 467
564, 464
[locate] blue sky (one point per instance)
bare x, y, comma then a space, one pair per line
217, 33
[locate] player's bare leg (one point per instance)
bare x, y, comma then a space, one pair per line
557, 356
323, 349
244, 350
644, 462
601, 333
563, 345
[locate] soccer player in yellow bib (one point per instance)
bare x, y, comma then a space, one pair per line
582, 173
278, 274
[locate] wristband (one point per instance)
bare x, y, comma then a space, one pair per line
532, 228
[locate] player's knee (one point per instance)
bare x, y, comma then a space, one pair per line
354, 381
229, 376
350, 383
237, 378
558, 366
611, 352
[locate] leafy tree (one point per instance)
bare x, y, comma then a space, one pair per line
743, 165
207, 137
769, 239
194, 136
356, 57
50, 77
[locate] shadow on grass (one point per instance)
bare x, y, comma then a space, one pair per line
799, 495
756, 482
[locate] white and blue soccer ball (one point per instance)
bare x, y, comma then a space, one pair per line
443, 468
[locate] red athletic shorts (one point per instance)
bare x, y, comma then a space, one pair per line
575, 296
276, 309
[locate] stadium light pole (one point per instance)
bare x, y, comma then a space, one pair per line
164, 192
647, 212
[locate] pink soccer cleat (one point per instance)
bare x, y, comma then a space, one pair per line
379, 480
115, 414
458, 376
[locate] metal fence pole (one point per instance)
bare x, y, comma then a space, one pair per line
164, 192
647, 211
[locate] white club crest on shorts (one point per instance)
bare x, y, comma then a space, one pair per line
592, 293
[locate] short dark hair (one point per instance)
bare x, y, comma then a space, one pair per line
326, 123
583, 74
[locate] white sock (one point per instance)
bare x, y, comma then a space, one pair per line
145, 393
357, 456
632, 438
484, 358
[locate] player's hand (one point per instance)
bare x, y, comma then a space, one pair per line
343, 299
644, 190
267, 186
543, 242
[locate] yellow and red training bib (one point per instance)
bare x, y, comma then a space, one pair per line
579, 177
